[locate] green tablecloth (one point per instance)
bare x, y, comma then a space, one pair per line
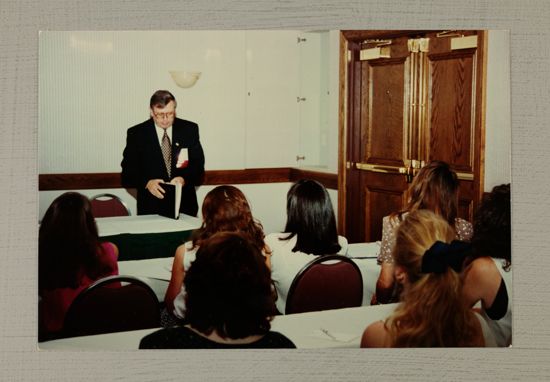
132, 246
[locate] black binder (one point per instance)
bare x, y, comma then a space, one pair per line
170, 204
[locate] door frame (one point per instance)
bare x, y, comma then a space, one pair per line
354, 36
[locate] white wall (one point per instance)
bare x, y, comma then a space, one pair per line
94, 85
319, 85
498, 129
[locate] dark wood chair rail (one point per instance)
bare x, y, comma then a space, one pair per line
84, 181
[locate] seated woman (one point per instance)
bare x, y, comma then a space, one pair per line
70, 258
432, 312
230, 301
488, 274
310, 231
434, 188
224, 208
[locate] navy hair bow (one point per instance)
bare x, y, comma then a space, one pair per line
442, 255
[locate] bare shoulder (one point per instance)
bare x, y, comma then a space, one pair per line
375, 336
180, 251
178, 267
483, 267
482, 280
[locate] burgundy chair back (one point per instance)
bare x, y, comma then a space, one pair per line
105, 205
326, 282
112, 304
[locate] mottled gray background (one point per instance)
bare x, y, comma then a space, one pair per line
20, 23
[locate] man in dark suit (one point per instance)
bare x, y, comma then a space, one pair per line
163, 149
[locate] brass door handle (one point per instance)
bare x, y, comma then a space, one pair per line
380, 168
410, 171
465, 176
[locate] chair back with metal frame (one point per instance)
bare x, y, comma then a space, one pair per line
326, 282
112, 304
106, 205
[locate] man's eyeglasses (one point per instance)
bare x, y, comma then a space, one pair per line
164, 115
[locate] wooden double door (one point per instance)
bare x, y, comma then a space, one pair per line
410, 97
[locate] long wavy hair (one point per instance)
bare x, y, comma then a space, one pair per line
229, 288
225, 208
434, 188
68, 244
492, 226
432, 312
310, 217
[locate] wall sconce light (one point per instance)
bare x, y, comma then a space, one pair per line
184, 79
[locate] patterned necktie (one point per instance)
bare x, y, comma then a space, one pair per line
167, 152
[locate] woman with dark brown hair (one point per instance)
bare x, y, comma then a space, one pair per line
70, 257
230, 300
432, 312
224, 208
488, 272
310, 231
434, 188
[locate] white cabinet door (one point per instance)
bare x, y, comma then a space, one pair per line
272, 79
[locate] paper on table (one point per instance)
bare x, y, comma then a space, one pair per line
334, 336
145, 224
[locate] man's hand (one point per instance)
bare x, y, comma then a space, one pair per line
178, 179
154, 187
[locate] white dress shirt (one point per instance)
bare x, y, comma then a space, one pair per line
160, 133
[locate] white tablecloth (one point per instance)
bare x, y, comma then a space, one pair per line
364, 255
338, 328
157, 272
154, 272
159, 268
145, 224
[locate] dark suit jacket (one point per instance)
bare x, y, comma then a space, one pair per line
142, 161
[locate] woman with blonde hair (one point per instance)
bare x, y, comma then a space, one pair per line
434, 188
433, 312
224, 208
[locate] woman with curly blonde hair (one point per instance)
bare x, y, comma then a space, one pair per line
432, 312
224, 208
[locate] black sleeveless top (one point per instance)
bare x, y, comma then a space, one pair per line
185, 338
500, 304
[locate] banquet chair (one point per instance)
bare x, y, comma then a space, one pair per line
105, 205
326, 282
112, 304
